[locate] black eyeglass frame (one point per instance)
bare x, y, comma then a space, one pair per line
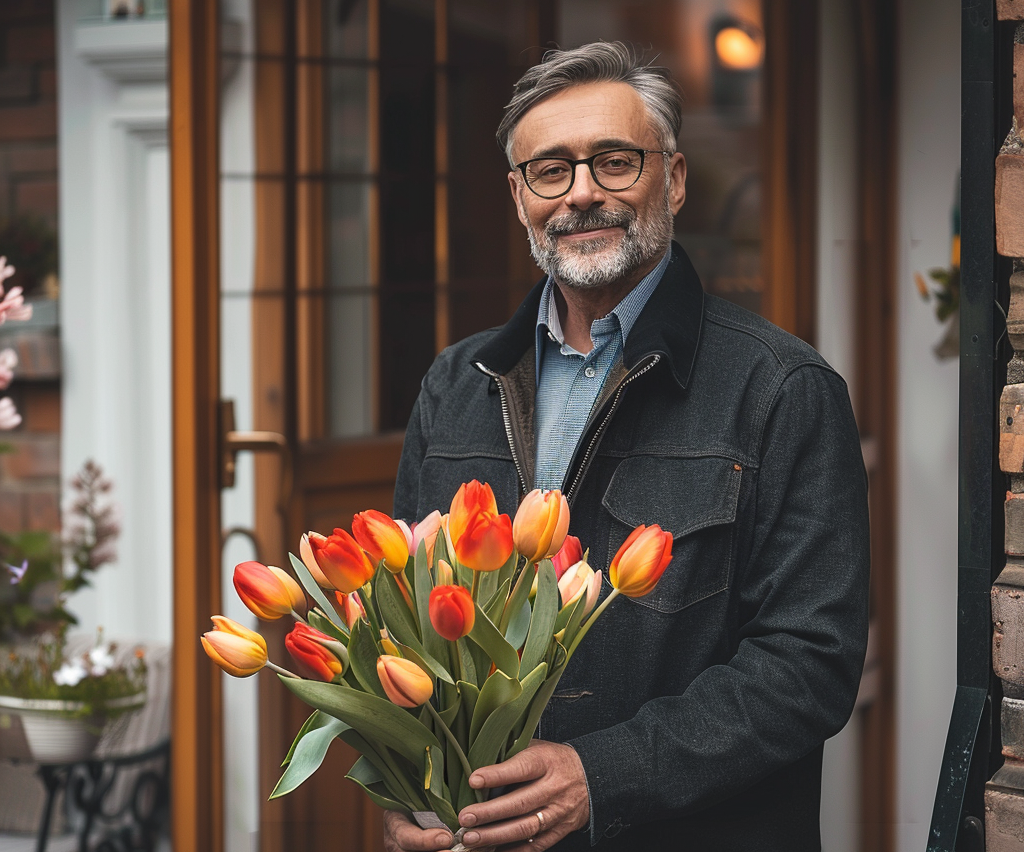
590, 165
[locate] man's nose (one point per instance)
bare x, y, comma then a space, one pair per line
585, 190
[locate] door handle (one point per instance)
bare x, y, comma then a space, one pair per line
232, 442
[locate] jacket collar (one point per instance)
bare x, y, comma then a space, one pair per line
669, 325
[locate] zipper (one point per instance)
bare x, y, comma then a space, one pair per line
584, 462
507, 420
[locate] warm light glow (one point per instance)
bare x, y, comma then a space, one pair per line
737, 50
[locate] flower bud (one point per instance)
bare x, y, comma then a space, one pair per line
641, 561
472, 499
308, 648
445, 574
342, 561
349, 607
404, 682
236, 649
570, 553
267, 591
452, 611
486, 542
382, 539
577, 581
306, 552
540, 524
426, 531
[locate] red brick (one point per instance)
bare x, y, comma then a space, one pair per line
40, 410
38, 158
37, 196
16, 84
48, 82
43, 510
1018, 83
12, 515
38, 121
1010, 10
33, 43
1009, 197
34, 458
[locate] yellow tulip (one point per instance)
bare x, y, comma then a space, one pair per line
236, 649
540, 524
404, 682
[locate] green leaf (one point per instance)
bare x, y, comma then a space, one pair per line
486, 635
499, 689
520, 593
310, 585
375, 718
496, 603
540, 701
324, 624
486, 748
400, 622
435, 789
423, 585
572, 626
465, 649
308, 752
416, 653
519, 626
316, 720
366, 776
399, 781
545, 613
363, 656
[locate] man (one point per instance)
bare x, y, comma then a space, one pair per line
694, 717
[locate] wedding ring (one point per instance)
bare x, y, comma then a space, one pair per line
540, 816
529, 840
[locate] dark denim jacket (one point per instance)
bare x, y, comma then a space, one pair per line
700, 710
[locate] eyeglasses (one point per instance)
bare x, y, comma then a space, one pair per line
553, 177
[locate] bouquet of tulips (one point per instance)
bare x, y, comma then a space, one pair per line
431, 650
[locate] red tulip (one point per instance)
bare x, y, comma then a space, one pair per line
541, 524
342, 561
309, 560
452, 611
267, 591
238, 650
641, 561
472, 499
382, 538
311, 657
404, 682
569, 555
486, 542
349, 607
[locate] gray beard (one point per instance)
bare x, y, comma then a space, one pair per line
579, 267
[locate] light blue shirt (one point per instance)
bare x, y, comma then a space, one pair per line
569, 382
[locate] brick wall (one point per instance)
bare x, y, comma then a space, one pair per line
30, 475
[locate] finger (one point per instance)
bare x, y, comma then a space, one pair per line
403, 835
509, 831
537, 843
525, 766
512, 805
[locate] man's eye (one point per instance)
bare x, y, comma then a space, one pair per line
550, 171
615, 163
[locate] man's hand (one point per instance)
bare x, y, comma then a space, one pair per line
403, 835
549, 780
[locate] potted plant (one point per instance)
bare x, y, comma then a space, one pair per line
64, 697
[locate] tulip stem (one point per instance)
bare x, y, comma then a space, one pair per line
454, 742
475, 586
590, 622
281, 671
404, 588
298, 617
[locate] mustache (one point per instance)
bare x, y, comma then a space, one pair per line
589, 220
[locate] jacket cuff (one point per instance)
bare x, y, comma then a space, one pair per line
615, 773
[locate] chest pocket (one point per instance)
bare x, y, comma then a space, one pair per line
693, 498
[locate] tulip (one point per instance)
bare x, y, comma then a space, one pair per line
267, 591
314, 660
349, 607
382, 539
309, 560
407, 532
342, 561
486, 543
426, 531
569, 555
472, 499
239, 651
404, 682
641, 561
577, 581
541, 524
452, 611
445, 574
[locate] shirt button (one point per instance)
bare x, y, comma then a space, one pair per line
590, 372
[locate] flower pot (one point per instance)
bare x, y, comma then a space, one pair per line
54, 734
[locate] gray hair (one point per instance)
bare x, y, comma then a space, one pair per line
598, 62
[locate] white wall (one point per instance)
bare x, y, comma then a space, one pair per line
928, 98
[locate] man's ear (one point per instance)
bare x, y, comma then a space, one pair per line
516, 186
677, 182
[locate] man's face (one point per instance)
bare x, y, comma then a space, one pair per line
593, 237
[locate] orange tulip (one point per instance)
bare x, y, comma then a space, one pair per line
349, 607
426, 531
382, 538
404, 682
312, 658
641, 561
267, 591
570, 553
486, 542
472, 499
309, 560
541, 524
577, 581
343, 562
238, 650
452, 611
